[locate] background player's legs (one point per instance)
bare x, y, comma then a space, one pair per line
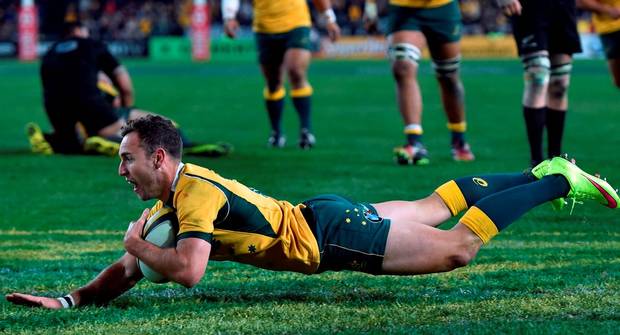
557, 101
614, 70
536, 80
446, 62
405, 51
415, 248
274, 101
296, 62
64, 139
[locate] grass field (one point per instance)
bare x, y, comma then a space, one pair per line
63, 218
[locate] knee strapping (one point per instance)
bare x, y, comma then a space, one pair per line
446, 67
561, 73
405, 52
536, 68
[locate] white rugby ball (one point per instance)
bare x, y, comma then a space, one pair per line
161, 230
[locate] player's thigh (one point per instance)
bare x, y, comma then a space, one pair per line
442, 28
611, 45
563, 36
98, 115
416, 248
296, 62
530, 29
135, 113
271, 49
403, 27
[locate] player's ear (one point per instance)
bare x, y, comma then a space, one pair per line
158, 157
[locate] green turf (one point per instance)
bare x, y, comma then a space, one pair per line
63, 218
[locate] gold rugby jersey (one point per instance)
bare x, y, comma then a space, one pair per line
241, 224
280, 16
604, 24
419, 3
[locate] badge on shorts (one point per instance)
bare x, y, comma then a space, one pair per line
370, 216
480, 181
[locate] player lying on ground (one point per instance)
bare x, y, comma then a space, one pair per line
84, 120
221, 219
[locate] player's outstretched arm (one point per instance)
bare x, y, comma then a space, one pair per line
185, 264
325, 8
109, 284
123, 82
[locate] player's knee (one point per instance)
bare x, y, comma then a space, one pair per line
559, 80
403, 69
537, 70
404, 58
297, 76
448, 69
460, 257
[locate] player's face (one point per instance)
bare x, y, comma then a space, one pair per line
138, 168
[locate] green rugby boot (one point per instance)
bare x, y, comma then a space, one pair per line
38, 143
540, 171
583, 186
217, 149
97, 145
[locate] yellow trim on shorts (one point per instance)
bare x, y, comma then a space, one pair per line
460, 127
480, 224
452, 196
272, 96
305, 91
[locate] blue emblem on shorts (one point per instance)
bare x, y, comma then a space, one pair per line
370, 216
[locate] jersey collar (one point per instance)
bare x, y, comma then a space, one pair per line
173, 187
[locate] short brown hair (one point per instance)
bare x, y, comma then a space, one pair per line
156, 132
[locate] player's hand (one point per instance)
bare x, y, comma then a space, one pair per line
33, 301
512, 8
333, 31
134, 231
231, 27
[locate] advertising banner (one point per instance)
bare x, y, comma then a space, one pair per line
200, 31
28, 30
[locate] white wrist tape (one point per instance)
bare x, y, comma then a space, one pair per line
329, 15
230, 9
66, 301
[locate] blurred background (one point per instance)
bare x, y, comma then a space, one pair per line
164, 28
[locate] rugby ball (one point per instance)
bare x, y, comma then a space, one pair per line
161, 230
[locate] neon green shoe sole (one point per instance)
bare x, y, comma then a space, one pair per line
583, 186
100, 146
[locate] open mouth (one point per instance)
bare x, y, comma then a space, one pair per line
132, 183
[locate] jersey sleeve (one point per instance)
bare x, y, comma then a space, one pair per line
106, 62
198, 204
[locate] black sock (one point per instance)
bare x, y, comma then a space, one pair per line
475, 188
505, 207
275, 109
555, 130
535, 126
302, 106
412, 139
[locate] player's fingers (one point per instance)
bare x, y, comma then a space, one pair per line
23, 299
145, 214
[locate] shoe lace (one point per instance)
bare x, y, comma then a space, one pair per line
573, 201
